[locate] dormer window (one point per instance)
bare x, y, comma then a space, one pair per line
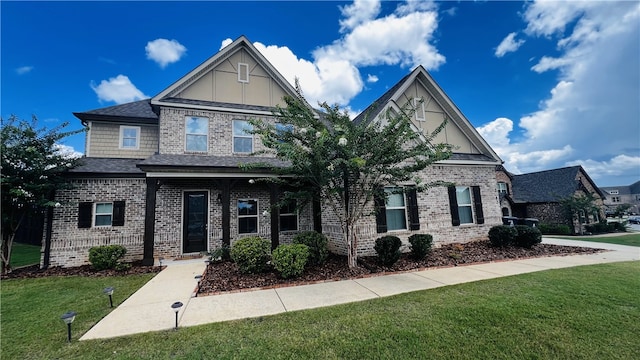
614, 192
243, 72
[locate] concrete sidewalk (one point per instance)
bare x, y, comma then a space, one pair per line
149, 309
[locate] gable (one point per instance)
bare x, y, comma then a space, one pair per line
433, 107
237, 75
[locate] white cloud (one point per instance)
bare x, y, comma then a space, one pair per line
225, 43
164, 51
403, 37
118, 89
67, 151
372, 78
24, 70
508, 44
592, 112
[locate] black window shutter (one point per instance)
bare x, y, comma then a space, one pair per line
118, 213
381, 211
412, 208
453, 205
477, 204
84, 214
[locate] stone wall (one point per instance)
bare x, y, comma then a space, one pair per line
433, 210
70, 245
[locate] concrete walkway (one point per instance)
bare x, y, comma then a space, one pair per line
149, 309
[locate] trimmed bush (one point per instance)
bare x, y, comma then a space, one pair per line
502, 235
220, 254
420, 245
318, 246
554, 229
252, 254
107, 257
619, 226
290, 259
388, 249
527, 236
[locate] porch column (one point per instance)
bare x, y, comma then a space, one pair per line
225, 199
274, 197
150, 221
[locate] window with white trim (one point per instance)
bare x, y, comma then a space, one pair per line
289, 216
129, 137
615, 199
465, 206
418, 105
396, 209
243, 72
248, 216
242, 138
613, 192
103, 214
196, 134
502, 188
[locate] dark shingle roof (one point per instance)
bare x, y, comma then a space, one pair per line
204, 161
374, 109
140, 111
545, 186
471, 157
107, 166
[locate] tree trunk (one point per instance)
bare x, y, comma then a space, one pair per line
7, 242
352, 247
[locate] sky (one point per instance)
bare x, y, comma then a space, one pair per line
548, 84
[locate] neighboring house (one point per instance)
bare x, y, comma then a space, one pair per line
618, 195
538, 194
163, 176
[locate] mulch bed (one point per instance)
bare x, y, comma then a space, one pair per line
225, 276
34, 271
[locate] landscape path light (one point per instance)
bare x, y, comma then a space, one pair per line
176, 308
109, 291
68, 318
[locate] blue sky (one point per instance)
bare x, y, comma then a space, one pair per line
548, 84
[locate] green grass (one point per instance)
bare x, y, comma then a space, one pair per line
24, 254
588, 312
631, 239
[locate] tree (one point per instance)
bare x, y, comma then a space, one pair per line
32, 162
343, 163
578, 207
621, 210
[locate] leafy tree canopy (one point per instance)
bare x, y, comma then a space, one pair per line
32, 162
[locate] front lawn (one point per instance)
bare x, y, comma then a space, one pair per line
588, 312
24, 255
631, 239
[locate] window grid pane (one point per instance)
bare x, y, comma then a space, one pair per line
395, 209
396, 219
103, 214
197, 133
465, 211
247, 216
242, 139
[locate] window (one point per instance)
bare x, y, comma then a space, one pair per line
463, 194
248, 216
615, 199
243, 72
282, 129
395, 209
418, 105
101, 214
502, 188
393, 213
242, 139
289, 217
129, 137
197, 133
464, 203
614, 192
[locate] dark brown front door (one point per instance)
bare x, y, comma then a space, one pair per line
194, 238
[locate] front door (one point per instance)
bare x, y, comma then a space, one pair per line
194, 237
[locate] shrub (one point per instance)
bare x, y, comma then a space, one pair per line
527, 236
318, 246
619, 226
502, 235
222, 253
106, 256
388, 249
554, 229
420, 245
252, 254
290, 259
